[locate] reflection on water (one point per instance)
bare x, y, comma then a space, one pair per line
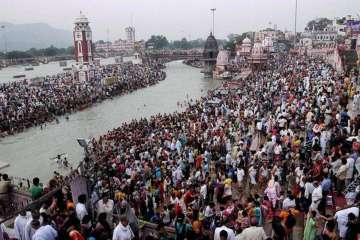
29, 152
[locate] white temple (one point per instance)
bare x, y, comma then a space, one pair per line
245, 48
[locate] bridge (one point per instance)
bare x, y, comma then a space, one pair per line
35, 60
175, 55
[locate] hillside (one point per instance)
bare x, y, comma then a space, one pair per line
33, 35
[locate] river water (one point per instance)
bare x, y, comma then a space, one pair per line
29, 152
52, 68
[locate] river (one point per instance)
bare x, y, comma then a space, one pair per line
29, 152
52, 68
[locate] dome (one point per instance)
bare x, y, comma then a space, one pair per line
81, 19
246, 41
222, 58
211, 47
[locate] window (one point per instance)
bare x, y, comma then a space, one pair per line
79, 47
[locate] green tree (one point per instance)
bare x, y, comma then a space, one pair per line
70, 50
318, 24
17, 55
232, 40
157, 42
51, 51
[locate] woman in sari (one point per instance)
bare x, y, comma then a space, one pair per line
310, 226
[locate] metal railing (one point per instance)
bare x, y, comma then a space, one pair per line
20, 201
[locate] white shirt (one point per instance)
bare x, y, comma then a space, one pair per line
342, 219
277, 149
208, 212
240, 173
81, 211
29, 230
230, 232
122, 233
316, 194
252, 233
19, 227
309, 188
45, 233
203, 191
287, 203
107, 208
350, 167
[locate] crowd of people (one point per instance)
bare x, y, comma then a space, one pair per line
25, 104
274, 156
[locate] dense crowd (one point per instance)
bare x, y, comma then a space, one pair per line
254, 160
26, 104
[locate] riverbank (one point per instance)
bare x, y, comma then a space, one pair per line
33, 148
62, 95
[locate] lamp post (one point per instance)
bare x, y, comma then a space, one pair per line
295, 22
213, 20
4, 37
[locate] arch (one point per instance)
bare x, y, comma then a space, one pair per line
79, 47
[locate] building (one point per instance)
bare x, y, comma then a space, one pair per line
244, 49
101, 46
268, 45
274, 34
320, 38
210, 53
289, 35
84, 68
130, 34
222, 63
82, 40
258, 57
121, 46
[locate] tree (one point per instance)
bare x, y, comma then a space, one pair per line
233, 39
51, 51
70, 50
157, 42
318, 24
17, 55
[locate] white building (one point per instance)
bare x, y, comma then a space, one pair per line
320, 38
268, 45
120, 45
244, 49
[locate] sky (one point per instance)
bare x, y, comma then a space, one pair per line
174, 18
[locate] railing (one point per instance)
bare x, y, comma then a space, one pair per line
21, 201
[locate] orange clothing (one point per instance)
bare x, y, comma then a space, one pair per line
75, 235
198, 162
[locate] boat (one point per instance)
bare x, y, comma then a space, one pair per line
67, 69
19, 76
63, 63
35, 64
29, 68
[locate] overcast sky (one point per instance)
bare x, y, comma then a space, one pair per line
174, 18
